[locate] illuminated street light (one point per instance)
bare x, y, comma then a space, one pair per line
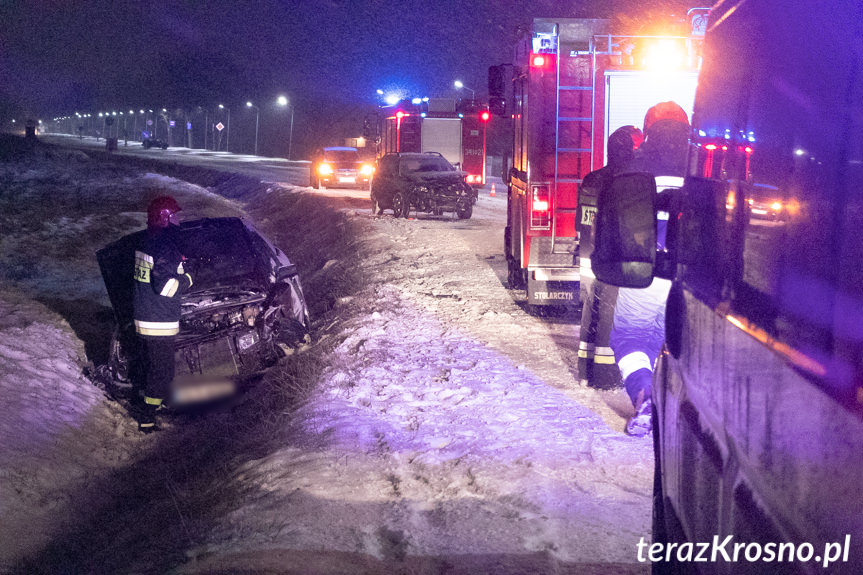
458, 84
227, 129
257, 118
283, 101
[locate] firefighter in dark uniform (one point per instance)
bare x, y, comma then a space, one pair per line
596, 365
160, 280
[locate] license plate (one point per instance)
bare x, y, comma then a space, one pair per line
588, 214
347, 180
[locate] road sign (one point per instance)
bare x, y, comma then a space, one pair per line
220, 127
149, 122
172, 123
188, 125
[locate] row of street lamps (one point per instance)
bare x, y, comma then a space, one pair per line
281, 101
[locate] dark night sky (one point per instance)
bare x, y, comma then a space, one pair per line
62, 56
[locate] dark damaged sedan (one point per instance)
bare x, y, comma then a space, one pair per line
424, 182
245, 309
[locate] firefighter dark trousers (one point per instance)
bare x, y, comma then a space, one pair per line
595, 358
158, 367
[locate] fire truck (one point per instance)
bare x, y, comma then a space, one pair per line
573, 84
455, 129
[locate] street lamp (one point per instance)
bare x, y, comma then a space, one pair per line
257, 120
283, 101
227, 129
459, 85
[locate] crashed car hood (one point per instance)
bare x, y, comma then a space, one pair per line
436, 176
225, 256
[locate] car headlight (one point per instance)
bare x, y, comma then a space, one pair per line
366, 170
325, 169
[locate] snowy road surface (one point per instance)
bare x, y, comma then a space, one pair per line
440, 430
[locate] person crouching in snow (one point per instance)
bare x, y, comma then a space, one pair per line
638, 329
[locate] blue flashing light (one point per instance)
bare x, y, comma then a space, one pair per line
422, 114
416, 101
461, 115
426, 99
392, 99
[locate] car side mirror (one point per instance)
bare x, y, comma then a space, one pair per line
624, 251
497, 90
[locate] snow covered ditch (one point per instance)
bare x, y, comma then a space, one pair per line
432, 427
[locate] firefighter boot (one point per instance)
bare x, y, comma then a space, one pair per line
642, 422
147, 415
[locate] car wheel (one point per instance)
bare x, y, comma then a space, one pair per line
464, 211
164, 146
120, 356
400, 207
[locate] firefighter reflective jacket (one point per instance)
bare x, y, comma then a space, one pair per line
160, 280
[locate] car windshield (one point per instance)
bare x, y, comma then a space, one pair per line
429, 164
221, 253
341, 156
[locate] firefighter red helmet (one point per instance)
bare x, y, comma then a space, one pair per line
664, 111
160, 210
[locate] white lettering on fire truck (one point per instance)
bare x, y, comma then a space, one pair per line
553, 295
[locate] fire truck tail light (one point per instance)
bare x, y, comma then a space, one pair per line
540, 216
542, 61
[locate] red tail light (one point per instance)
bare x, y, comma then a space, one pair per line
540, 207
542, 61
484, 116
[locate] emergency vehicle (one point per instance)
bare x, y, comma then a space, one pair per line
573, 84
456, 131
758, 395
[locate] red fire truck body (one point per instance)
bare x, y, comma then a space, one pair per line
573, 85
436, 126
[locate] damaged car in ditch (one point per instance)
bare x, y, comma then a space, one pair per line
423, 182
245, 309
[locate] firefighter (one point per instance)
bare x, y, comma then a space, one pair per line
595, 358
160, 280
638, 329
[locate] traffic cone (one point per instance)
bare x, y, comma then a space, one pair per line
492, 194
